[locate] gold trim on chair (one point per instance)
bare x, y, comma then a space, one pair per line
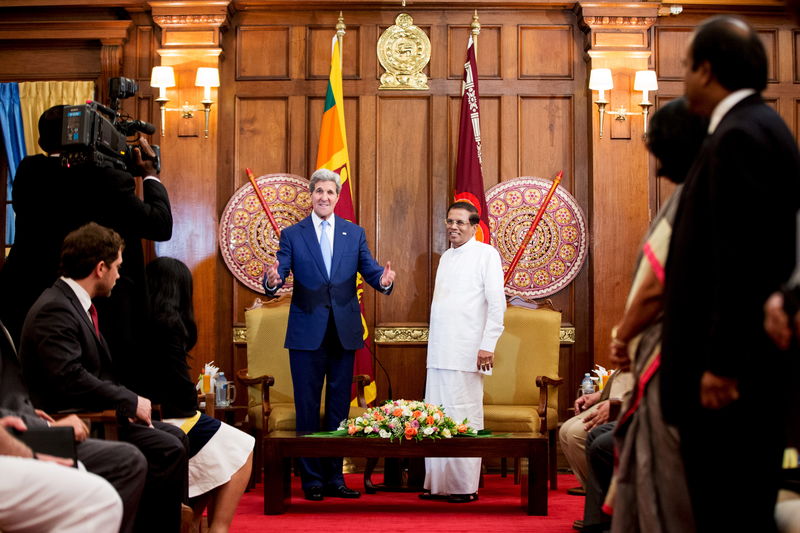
239, 335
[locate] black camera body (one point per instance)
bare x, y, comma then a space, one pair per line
93, 134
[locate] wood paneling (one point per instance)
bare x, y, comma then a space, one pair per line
770, 39
318, 53
402, 198
263, 53
38, 61
262, 140
490, 61
546, 137
546, 52
670, 51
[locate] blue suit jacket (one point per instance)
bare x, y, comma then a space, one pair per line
315, 295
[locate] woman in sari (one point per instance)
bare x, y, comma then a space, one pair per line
649, 490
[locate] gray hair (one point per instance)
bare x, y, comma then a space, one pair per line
323, 174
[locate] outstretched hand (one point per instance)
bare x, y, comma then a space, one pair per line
273, 278
387, 278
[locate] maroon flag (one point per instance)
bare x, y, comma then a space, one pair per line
469, 174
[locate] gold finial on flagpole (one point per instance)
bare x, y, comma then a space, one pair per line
404, 3
475, 30
340, 31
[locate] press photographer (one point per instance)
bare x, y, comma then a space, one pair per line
77, 183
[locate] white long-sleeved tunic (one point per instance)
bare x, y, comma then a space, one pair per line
467, 308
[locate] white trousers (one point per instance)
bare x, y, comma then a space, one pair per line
461, 395
37, 496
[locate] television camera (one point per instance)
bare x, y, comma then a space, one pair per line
94, 134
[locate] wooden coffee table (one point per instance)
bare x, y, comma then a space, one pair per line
281, 446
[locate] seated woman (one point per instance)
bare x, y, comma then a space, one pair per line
220, 456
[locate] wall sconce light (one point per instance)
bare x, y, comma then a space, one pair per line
600, 80
164, 77
207, 78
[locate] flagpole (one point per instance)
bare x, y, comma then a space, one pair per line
264, 203
534, 224
340, 31
475, 30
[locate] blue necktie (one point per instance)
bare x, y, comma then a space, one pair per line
325, 245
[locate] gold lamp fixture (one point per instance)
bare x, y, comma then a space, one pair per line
164, 77
600, 80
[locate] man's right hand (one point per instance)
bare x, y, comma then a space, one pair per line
144, 165
143, 411
586, 401
63, 461
273, 278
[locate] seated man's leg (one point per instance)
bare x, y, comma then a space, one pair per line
166, 449
43, 496
600, 458
572, 438
122, 465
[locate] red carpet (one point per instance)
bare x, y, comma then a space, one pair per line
497, 510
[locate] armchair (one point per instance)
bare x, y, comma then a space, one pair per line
527, 354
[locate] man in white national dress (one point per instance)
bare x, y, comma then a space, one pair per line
466, 321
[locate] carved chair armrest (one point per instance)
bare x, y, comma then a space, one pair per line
265, 382
544, 383
362, 381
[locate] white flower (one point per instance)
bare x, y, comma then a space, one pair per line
368, 429
428, 430
436, 416
446, 433
384, 434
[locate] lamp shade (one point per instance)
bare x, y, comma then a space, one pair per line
600, 79
162, 77
645, 80
207, 77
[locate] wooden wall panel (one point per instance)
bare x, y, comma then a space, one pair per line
489, 51
263, 52
546, 137
402, 198
770, 39
546, 52
262, 126
795, 57
670, 51
318, 53
33, 62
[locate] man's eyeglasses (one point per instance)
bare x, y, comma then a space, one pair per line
459, 223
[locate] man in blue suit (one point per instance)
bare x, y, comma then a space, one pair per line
325, 253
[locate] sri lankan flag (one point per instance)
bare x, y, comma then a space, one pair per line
332, 154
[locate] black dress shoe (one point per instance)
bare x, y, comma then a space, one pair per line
314, 494
463, 498
342, 491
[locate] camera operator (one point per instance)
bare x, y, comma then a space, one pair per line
51, 200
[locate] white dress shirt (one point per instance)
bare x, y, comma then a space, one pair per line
318, 227
725, 105
467, 308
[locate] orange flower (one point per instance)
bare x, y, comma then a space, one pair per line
416, 414
461, 428
378, 417
397, 412
429, 420
410, 432
351, 429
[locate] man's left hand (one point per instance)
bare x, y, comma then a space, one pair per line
485, 360
73, 421
717, 391
387, 278
598, 416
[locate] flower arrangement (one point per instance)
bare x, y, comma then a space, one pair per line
397, 419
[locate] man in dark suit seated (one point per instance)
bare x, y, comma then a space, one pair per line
68, 367
119, 463
325, 253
